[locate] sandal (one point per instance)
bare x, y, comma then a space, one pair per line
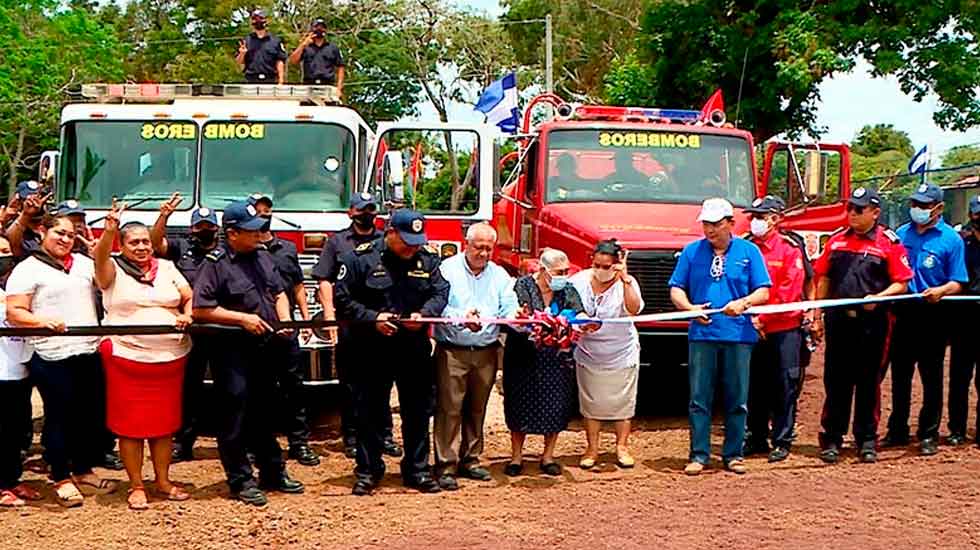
25, 492
587, 462
68, 494
101, 487
137, 503
175, 494
9, 500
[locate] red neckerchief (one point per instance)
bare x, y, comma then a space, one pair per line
145, 273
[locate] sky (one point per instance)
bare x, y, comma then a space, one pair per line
848, 102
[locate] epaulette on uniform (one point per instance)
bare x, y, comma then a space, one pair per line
891, 235
430, 249
364, 247
838, 231
215, 254
790, 239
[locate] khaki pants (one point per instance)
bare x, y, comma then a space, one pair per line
464, 380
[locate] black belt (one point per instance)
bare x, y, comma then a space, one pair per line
457, 347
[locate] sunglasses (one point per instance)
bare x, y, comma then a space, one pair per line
855, 208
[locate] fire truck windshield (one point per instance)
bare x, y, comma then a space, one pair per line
102, 159
301, 166
627, 165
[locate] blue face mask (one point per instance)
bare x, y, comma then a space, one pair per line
558, 282
920, 215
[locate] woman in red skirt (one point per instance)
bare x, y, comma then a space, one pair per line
144, 373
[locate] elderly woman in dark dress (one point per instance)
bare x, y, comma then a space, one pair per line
539, 382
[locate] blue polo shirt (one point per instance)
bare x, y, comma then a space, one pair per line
745, 272
937, 256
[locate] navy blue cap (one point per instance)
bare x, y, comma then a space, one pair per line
770, 204
69, 207
319, 21
27, 188
203, 214
258, 14
242, 215
862, 196
361, 201
410, 226
975, 205
256, 198
927, 193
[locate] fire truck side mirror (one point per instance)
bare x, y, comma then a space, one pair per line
815, 170
47, 168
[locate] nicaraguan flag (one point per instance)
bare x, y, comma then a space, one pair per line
920, 161
499, 103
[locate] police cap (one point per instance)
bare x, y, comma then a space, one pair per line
256, 198
69, 207
203, 214
362, 200
770, 204
927, 193
241, 215
27, 188
410, 226
863, 196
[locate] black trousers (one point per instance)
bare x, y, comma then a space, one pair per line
289, 378
964, 356
854, 364
74, 421
774, 380
245, 386
921, 334
348, 410
406, 359
27, 416
193, 393
15, 405
256, 78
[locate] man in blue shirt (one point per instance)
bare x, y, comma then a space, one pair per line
467, 355
936, 253
719, 271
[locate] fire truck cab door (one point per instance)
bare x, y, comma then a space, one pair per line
409, 156
814, 179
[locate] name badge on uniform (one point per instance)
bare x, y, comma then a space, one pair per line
421, 274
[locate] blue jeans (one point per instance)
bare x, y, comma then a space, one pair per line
728, 363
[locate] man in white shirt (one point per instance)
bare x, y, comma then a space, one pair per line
467, 355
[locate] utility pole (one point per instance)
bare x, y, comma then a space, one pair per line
549, 61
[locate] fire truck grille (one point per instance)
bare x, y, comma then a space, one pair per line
652, 269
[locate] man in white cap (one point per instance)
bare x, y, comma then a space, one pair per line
726, 272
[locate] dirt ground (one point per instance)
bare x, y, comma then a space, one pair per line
904, 501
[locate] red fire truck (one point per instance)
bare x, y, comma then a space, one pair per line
639, 175
297, 144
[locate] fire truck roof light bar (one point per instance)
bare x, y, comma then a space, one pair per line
167, 92
605, 112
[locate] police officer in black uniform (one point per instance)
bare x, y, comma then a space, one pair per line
238, 285
362, 211
964, 352
261, 54
382, 285
188, 254
321, 60
289, 369
24, 233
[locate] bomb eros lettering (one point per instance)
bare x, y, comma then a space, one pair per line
648, 139
234, 131
168, 130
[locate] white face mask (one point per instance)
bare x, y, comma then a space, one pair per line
603, 275
758, 227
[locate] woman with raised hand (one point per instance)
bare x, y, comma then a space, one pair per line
144, 373
54, 289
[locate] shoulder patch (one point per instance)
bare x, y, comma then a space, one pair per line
215, 254
430, 249
364, 247
891, 235
838, 231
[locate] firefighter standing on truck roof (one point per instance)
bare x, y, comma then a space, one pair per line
362, 211
188, 255
261, 54
864, 260
321, 60
774, 375
289, 367
381, 286
238, 285
922, 326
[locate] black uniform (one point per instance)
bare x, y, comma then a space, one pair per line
326, 269
373, 280
262, 57
964, 353
320, 63
247, 283
289, 372
187, 255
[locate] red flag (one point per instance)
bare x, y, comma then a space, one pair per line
379, 161
715, 103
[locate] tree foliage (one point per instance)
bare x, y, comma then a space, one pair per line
686, 49
873, 140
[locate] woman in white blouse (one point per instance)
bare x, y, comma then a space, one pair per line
608, 359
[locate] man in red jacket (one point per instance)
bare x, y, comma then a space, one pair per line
774, 374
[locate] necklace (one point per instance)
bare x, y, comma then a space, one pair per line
717, 266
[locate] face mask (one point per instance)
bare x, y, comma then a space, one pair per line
204, 238
558, 282
603, 275
364, 220
920, 215
758, 227
258, 25
319, 34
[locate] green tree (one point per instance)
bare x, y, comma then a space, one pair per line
961, 155
686, 49
874, 140
51, 47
